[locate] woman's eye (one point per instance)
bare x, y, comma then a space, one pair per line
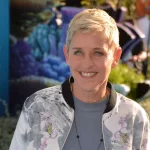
77, 53
98, 53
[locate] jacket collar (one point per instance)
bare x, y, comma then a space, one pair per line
67, 94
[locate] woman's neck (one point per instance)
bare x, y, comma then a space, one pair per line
96, 95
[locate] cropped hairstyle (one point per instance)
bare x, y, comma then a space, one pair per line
94, 20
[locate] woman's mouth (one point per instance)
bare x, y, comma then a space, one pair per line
87, 74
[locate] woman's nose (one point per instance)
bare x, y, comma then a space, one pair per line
88, 61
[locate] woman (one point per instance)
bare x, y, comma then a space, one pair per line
85, 112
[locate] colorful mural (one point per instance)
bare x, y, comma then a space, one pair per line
37, 36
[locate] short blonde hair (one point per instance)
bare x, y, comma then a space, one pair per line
96, 20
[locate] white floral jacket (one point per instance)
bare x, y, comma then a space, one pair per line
48, 114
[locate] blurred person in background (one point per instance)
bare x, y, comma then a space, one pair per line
143, 23
142, 18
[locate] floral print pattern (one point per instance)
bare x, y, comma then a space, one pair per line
45, 117
122, 136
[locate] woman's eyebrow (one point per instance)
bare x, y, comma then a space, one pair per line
99, 48
76, 48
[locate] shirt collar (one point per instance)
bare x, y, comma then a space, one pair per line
67, 94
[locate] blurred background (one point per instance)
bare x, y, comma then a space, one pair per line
31, 51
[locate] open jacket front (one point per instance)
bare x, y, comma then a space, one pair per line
48, 114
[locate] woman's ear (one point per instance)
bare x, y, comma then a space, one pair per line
117, 55
66, 53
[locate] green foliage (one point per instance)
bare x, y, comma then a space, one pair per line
94, 3
7, 127
129, 4
123, 74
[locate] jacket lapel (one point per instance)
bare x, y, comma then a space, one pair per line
67, 94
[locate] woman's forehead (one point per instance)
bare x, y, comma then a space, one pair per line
89, 38
98, 34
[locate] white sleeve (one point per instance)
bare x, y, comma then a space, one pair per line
19, 138
142, 133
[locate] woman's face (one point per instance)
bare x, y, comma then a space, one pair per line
90, 60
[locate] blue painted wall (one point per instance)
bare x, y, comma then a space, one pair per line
4, 52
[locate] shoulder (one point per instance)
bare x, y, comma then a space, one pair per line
44, 96
131, 107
